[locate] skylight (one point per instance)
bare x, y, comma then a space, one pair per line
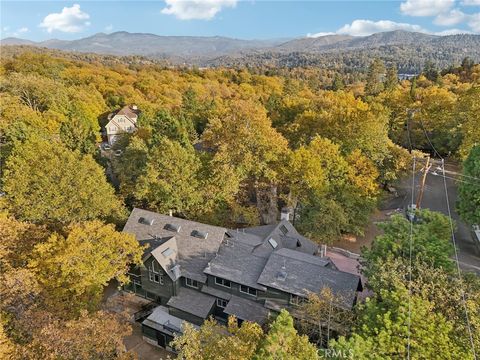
172, 227
167, 252
199, 234
146, 221
273, 243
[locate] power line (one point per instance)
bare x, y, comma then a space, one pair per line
410, 262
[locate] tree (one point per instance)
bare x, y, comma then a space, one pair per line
215, 342
283, 342
469, 188
337, 83
467, 110
242, 137
46, 183
431, 241
18, 241
430, 71
97, 335
73, 269
170, 181
391, 80
323, 316
375, 75
382, 330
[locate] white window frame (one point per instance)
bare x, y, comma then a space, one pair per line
191, 283
222, 282
153, 268
248, 290
220, 303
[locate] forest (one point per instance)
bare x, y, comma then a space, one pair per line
229, 147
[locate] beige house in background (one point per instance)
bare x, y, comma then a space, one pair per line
121, 122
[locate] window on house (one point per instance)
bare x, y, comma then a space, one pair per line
221, 303
154, 267
248, 290
113, 128
295, 299
120, 120
284, 229
191, 283
223, 282
154, 273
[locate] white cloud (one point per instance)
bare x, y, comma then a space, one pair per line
22, 30
196, 9
109, 28
368, 27
450, 18
319, 34
474, 22
71, 19
426, 7
471, 2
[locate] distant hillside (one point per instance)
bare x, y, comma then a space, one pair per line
409, 50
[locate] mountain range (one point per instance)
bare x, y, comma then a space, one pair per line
408, 50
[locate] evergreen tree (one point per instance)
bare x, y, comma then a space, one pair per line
375, 76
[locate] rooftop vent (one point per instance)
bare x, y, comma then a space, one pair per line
273, 243
146, 221
167, 252
199, 234
171, 227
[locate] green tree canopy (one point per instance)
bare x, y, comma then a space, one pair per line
47, 183
469, 188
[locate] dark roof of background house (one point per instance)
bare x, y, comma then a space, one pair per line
193, 253
127, 110
297, 267
246, 310
192, 302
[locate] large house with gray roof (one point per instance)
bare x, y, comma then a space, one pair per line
194, 271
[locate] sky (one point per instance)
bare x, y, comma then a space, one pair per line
248, 19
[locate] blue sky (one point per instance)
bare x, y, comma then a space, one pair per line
41, 20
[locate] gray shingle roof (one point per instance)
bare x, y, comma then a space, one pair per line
237, 262
307, 273
246, 310
193, 253
192, 302
216, 292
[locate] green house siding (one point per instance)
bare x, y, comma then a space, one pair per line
156, 291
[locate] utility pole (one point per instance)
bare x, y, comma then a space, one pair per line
422, 186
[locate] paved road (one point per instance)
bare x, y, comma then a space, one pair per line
434, 199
